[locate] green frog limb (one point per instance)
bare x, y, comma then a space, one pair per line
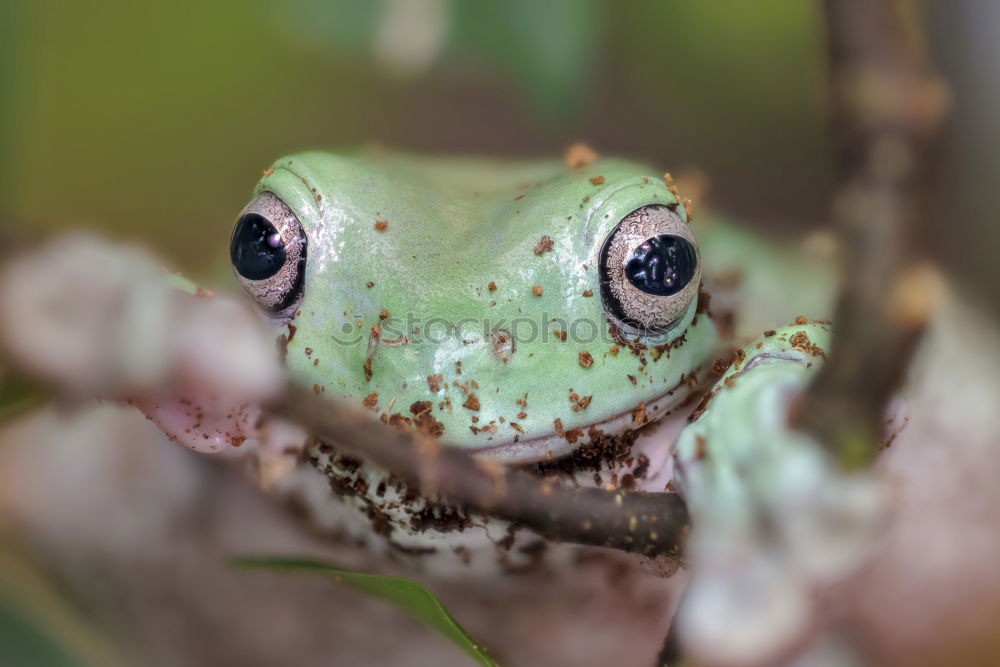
776, 520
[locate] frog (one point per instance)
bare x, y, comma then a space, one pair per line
535, 313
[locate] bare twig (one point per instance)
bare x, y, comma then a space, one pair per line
646, 523
887, 109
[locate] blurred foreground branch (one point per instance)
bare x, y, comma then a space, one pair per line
888, 106
131, 333
647, 523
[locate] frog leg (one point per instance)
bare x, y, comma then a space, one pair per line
775, 520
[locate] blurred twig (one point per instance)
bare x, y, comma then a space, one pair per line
887, 108
640, 522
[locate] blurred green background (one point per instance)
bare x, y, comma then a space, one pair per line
153, 120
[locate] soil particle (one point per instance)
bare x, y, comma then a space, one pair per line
543, 246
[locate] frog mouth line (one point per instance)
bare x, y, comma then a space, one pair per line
553, 446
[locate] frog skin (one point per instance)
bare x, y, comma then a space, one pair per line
778, 520
472, 300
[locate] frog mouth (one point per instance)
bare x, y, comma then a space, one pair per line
557, 445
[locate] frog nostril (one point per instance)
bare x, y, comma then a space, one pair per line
502, 344
661, 265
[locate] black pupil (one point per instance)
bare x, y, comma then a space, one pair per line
257, 251
662, 265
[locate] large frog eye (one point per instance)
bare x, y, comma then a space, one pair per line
650, 271
268, 251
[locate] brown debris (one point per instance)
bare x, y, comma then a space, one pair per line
585, 359
639, 415
579, 154
689, 209
720, 365
668, 180
800, 341
579, 402
659, 350
602, 449
420, 407
423, 419
543, 246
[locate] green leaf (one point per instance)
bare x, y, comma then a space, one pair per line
39, 627
17, 394
410, 596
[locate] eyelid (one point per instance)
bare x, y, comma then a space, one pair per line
613, 202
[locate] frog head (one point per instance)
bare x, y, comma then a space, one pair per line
519, 310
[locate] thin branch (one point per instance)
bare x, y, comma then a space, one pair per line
639, 522
887, 109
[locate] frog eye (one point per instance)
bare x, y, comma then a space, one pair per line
268, 251
649, 271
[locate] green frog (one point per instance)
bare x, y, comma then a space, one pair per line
544, 314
